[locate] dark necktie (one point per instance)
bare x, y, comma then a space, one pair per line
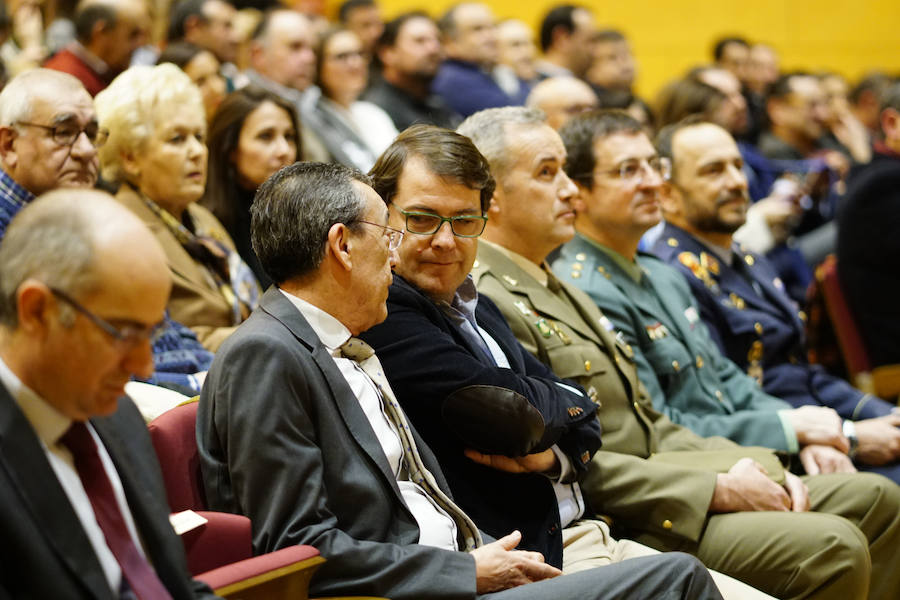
357, 350
135, 569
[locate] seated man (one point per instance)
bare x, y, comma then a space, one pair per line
745, 308
48, 129
619, 177
661, 483
314, 448
84, 288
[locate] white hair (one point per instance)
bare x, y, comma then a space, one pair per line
127, 109
17, 98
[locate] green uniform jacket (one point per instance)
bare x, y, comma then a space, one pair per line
667, 495
688, 378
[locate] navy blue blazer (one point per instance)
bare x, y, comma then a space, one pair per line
762, 332
457, 400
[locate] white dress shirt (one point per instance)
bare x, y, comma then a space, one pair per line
50, 425
436, 527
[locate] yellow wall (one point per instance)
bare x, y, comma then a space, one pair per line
669, 36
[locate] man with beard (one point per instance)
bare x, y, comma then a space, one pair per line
409, 51
742, 302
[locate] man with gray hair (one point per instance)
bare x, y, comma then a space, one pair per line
314, 447
107, 34
47, 132
83, 291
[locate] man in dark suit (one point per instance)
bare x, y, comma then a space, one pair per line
743, 303
299, 430
84, 288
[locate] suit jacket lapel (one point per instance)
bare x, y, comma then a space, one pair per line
24, 459
275, 304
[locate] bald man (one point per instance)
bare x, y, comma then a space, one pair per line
561, 98
80, 488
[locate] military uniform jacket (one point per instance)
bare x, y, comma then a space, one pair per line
666, 496
755, 324
685, 373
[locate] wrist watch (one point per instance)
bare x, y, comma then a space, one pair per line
850, 434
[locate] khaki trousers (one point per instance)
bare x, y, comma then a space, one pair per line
587, 544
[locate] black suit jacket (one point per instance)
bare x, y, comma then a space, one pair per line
45, 551
284, 441
458, 400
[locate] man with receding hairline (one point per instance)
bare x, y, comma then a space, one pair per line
561, 98
84, 289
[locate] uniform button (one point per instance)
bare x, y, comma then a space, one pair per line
676, 366
581, 256
758, 328
699, 362
576, 274
719, 396
749, 260
587, 365
635, 405
667, 524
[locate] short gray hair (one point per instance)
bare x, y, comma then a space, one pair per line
18, 96
293, 211
127, 109
487, 129
51, 240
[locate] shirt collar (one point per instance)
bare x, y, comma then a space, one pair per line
331, 332
629, 267
464, 300
538, 272
48, 423
12, 190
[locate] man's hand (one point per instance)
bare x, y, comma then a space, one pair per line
541, 462
818, 459
798, 492
818, 425
879, 439
499, 567
747, 486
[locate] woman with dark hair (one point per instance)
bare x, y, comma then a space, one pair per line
253, 134
354, 131
202, 67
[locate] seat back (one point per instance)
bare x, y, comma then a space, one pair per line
856, 358
174, 439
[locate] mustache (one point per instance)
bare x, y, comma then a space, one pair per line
732, 196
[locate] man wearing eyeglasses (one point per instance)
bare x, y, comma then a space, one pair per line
511, 437
47, 133
84, 511
620, 179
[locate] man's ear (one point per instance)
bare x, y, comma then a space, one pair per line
32, 305
8, 155
340, 245
130, 164
670, 200
890, 125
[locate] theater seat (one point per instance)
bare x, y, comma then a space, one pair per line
220, 552
883, 381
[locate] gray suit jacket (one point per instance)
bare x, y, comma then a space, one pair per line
284, 441
45, 551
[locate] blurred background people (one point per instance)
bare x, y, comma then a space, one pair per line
202, 67
561, 98
354, 131
517, 49
154, 126
209, 24
253, 134
567, 34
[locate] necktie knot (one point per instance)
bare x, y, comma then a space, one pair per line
78, 440
356, 349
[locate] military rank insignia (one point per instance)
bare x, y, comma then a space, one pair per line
656, 331
701, 271
543, 327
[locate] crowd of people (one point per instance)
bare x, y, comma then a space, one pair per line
462, 310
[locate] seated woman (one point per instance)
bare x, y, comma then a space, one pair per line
253, 134
355, 132
153, 132
202, 67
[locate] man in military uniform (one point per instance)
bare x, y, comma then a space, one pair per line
662, 484
743, 304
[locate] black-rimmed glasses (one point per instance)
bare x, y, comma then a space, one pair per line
65, 134
128, 335
423, 223
394, 236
